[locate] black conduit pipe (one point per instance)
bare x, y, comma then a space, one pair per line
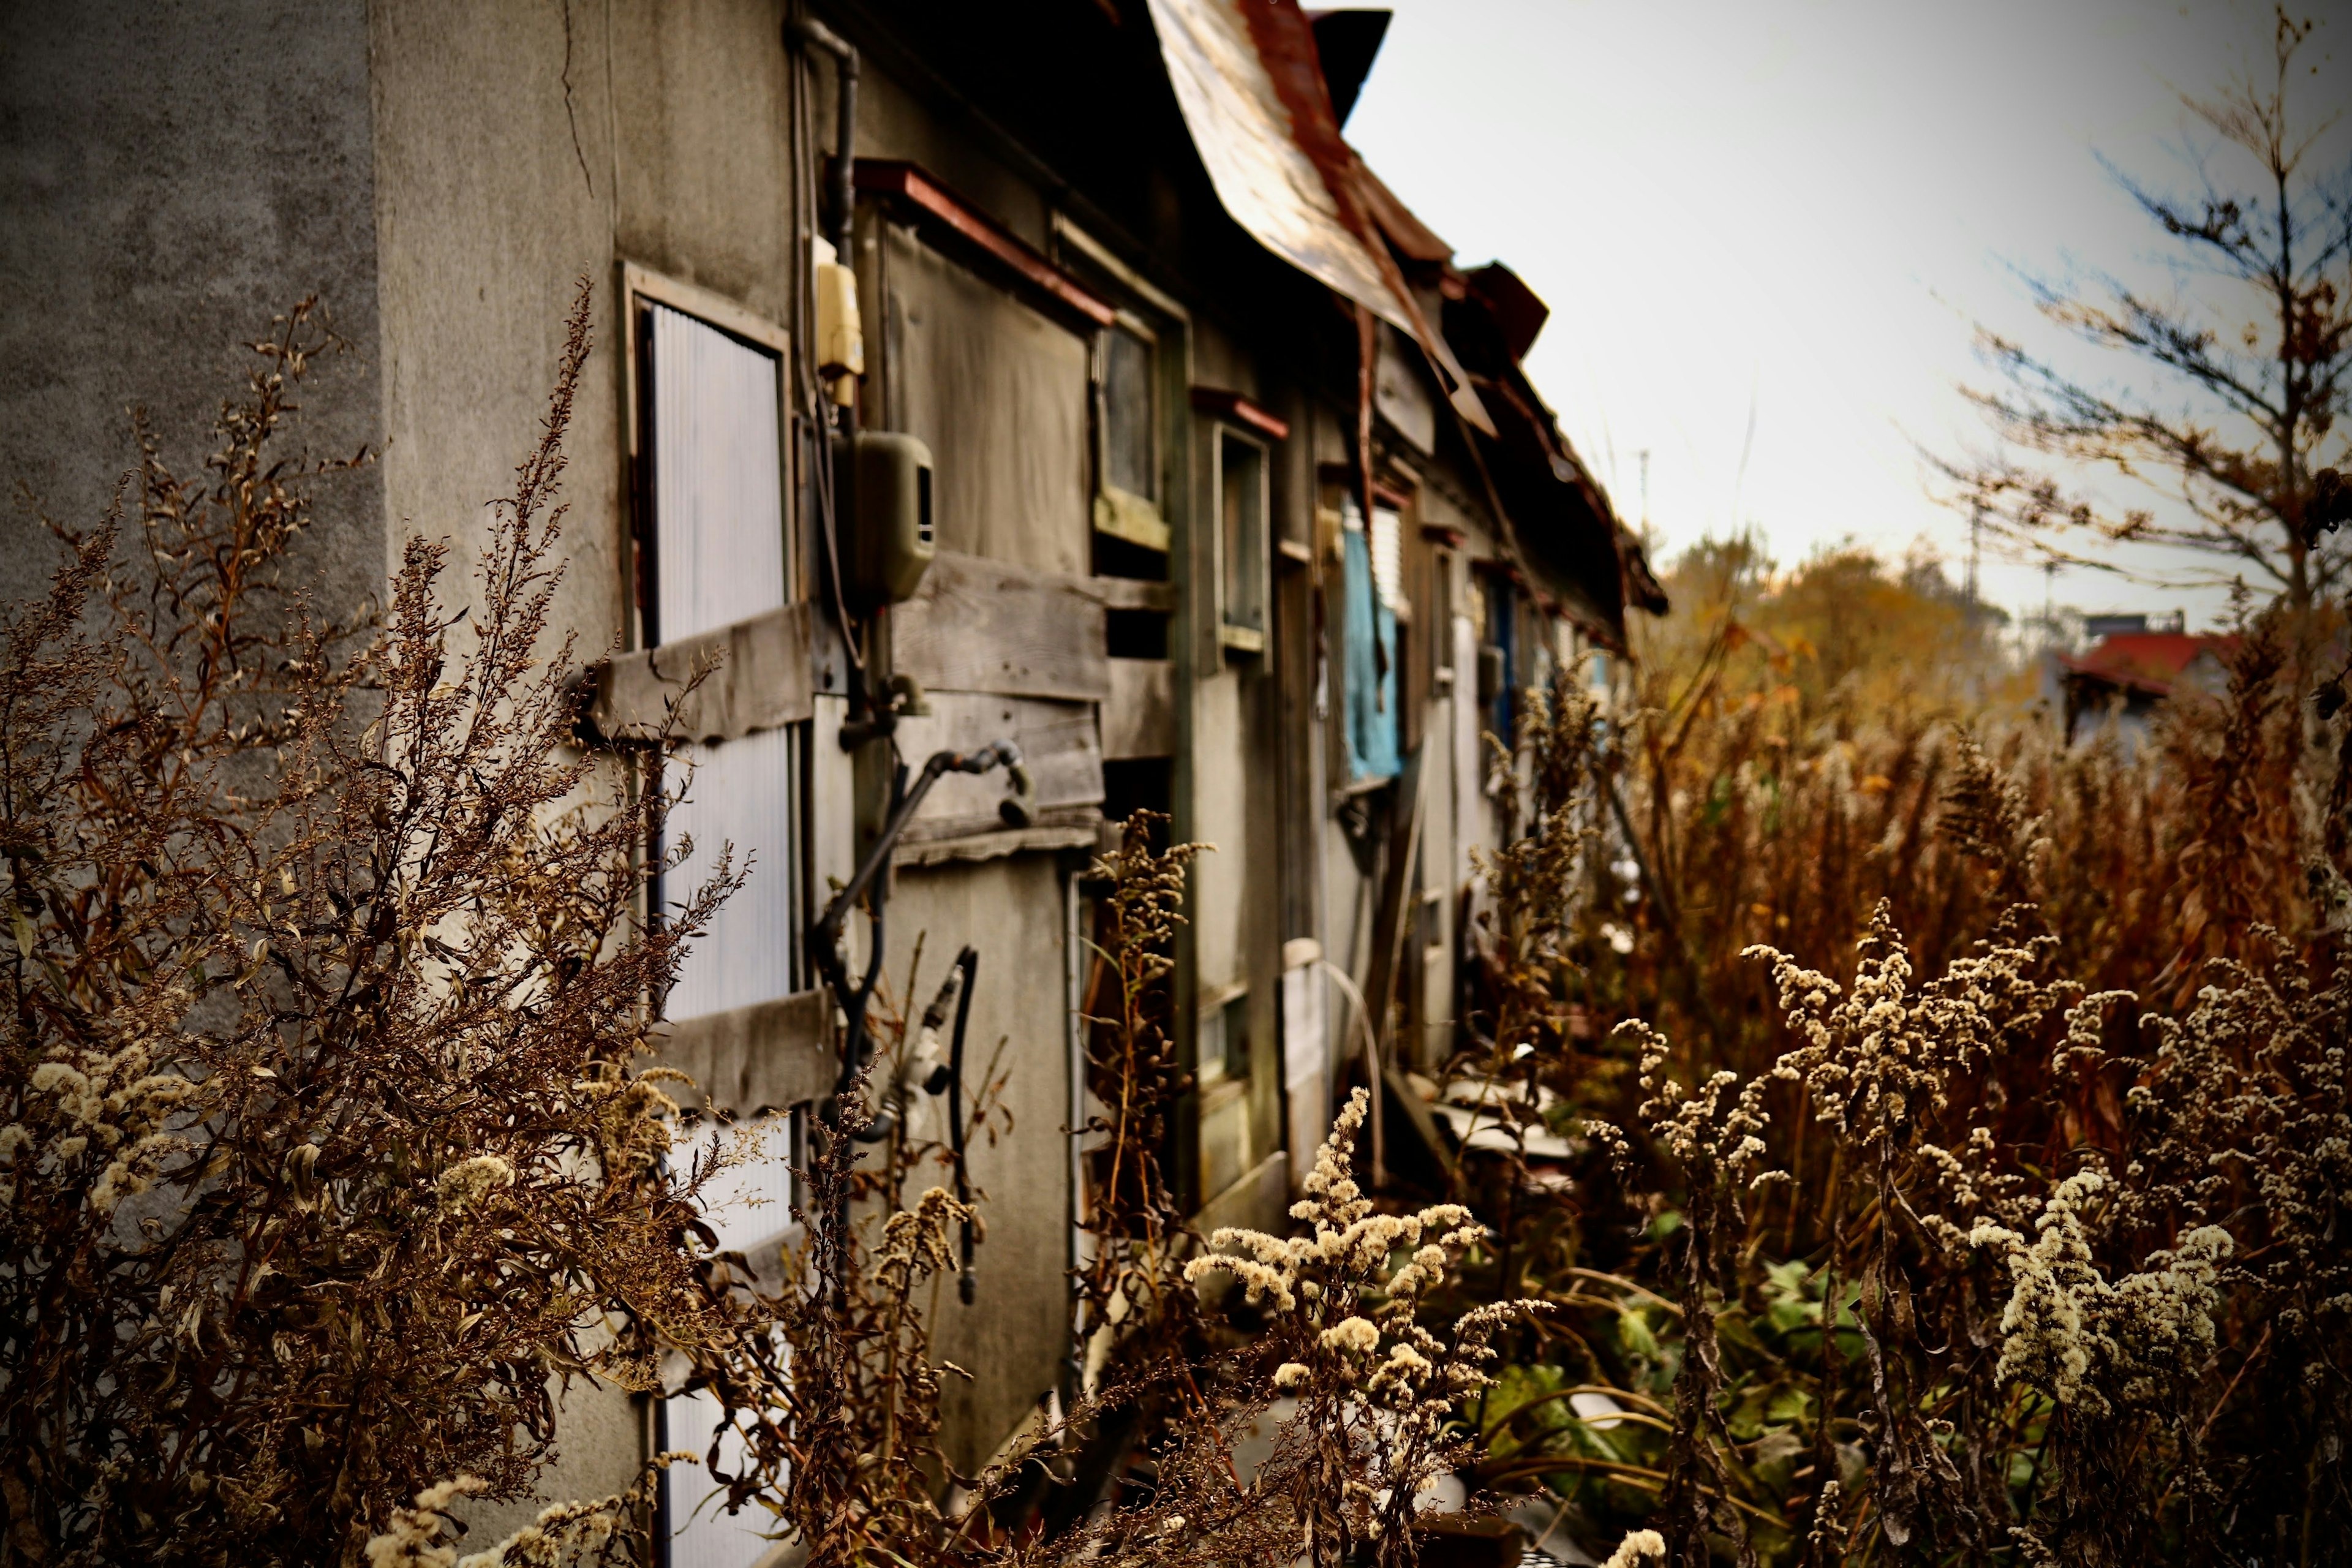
969, 961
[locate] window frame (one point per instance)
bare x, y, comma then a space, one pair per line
1237, 637
640, 287
1139, 520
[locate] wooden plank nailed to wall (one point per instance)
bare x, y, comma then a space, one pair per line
1139, 717
1057, 742
990, 626
770, 1056
761, 682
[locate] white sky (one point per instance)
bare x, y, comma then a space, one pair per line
1799, 208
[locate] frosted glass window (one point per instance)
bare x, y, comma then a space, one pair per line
718, 557
719, 477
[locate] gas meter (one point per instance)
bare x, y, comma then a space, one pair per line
883, 509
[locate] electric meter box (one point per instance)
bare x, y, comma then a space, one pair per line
886, 528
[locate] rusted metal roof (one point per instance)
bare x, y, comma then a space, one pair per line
1250, 84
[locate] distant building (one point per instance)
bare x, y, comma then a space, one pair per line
2129, 670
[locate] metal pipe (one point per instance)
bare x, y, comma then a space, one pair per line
810, 33
968, 962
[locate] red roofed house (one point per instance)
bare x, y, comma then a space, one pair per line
2130, 669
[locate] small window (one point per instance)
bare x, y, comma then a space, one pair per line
1240, 540
1128, 415
1388, 558
1237, 1035
1127, 419
1223, 1045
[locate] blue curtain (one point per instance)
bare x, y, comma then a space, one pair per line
1371, 712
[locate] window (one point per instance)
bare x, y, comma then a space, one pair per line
716, 555
749, 1208
1497, 654
708, 384
1127, 424
1388, 558
1222, 1048
1240, 540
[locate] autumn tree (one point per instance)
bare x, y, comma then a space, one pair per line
2232, 426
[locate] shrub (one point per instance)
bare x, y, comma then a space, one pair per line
324, 1163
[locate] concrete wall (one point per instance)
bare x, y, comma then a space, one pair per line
518, 150
172, 177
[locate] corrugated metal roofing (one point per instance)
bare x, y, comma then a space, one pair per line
1247, 80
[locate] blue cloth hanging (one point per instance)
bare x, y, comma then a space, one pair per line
1371, 696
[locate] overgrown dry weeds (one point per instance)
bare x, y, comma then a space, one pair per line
325, 1161
1979, 1197
1922, 1238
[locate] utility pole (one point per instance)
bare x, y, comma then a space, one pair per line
1976, 548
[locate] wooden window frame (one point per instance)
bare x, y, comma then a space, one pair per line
1120, 513
1239, 638
641, 285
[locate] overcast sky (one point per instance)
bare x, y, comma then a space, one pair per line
1798, 209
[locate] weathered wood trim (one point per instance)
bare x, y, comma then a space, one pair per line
1235, 409
924, 196
761, 682
1067, 230
980, 624
1139, 717
1131, 518
1083, 832
641, 282
770, 1056
1132, 594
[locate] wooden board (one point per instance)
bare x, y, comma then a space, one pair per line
770, 1056
1057, 742
998, 391
994, 626
761, 682
1139, 717
1133, 593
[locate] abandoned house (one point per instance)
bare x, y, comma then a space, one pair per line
1051, 373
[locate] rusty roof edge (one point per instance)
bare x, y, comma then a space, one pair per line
1284, 40
1578, 604
1250, 85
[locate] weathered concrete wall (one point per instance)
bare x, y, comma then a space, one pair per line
487, 216
170, 178
520, 149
